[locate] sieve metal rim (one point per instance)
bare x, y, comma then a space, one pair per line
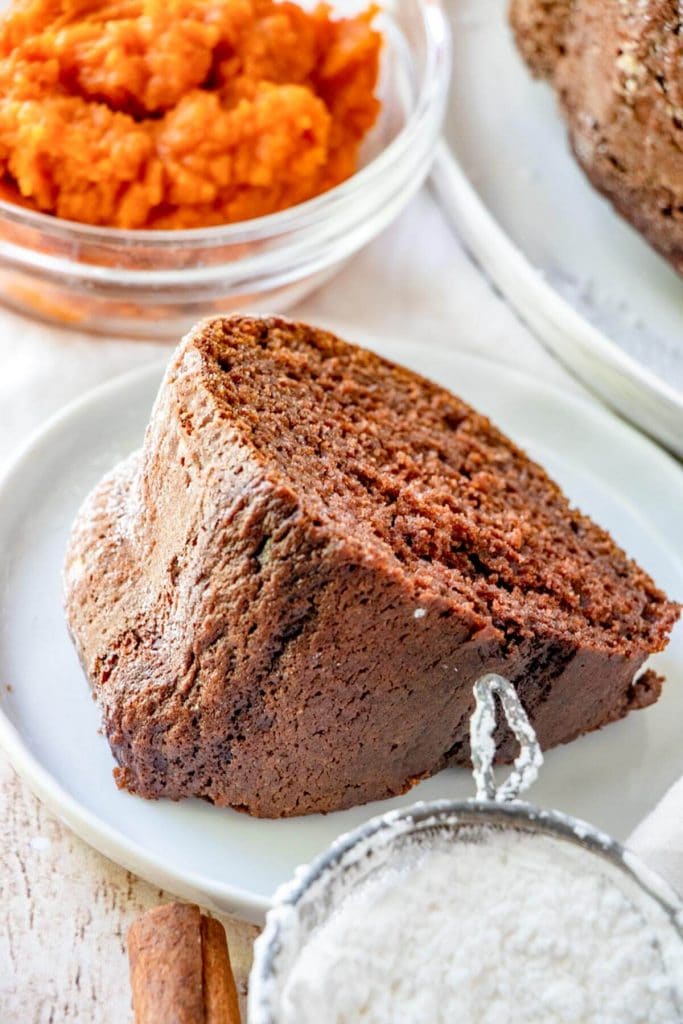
421, 816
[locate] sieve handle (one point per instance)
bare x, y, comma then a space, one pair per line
482, 726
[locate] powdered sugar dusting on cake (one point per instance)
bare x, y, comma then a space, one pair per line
108, 503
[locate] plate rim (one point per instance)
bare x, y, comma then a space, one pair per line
88, 826
94, 829
547, 313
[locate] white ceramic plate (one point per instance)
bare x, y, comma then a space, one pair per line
585, 281
49, 725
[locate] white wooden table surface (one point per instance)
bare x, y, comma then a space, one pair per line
65, 909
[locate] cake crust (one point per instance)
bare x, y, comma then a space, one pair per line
283, 600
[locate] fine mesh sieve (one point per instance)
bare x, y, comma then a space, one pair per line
317, 890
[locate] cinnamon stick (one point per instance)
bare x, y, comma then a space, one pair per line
180, 969
220, 992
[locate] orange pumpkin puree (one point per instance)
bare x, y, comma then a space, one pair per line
180, 113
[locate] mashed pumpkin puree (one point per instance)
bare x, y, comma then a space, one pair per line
180, 113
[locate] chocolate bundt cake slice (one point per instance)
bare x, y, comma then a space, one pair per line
617, 69
283, 600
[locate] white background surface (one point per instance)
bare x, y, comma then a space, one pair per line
65, 908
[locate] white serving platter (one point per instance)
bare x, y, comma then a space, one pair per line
591, 288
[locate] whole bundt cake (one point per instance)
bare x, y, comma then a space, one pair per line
617, 69
283, 600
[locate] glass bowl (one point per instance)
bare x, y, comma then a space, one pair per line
155, 284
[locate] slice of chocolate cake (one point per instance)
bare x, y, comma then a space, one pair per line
283, 601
